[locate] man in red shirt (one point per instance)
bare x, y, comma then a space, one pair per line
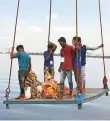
66, 66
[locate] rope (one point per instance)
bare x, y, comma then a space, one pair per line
102, 37
50, 11
8, 89
77, 40
49, 20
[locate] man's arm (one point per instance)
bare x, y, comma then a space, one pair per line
29, 68
54, 46
12, 55
30, 65
60, 67
72, 48
47, 57
94, 48
61, 63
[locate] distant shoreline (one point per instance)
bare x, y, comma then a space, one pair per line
89, 56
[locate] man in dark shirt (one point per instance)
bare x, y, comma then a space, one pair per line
84, 49
77, 63
66, 67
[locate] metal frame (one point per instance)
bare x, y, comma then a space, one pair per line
53, 101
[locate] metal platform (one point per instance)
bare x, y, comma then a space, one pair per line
91, 94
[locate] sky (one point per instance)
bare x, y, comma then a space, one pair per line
32, 29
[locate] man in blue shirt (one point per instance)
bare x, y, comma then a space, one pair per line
49, 61
82, 55
24, 62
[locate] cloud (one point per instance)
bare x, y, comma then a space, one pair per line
34, 37
7, 30
25, 34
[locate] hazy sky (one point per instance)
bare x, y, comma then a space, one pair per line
32, 30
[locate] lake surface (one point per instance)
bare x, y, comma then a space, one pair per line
97, 109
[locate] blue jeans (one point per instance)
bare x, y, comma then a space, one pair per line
63, 75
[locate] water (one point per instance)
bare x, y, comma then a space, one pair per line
96, 109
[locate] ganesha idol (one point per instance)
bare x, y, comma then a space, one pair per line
51, 87
37, 90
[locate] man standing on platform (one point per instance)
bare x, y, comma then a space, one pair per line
66, 67
77, 63
24, 61
84, 49
49, 59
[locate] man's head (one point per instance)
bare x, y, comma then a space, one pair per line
62, 41
50, 48
76, 40
20, 48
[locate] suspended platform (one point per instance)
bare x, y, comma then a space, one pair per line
91, 94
